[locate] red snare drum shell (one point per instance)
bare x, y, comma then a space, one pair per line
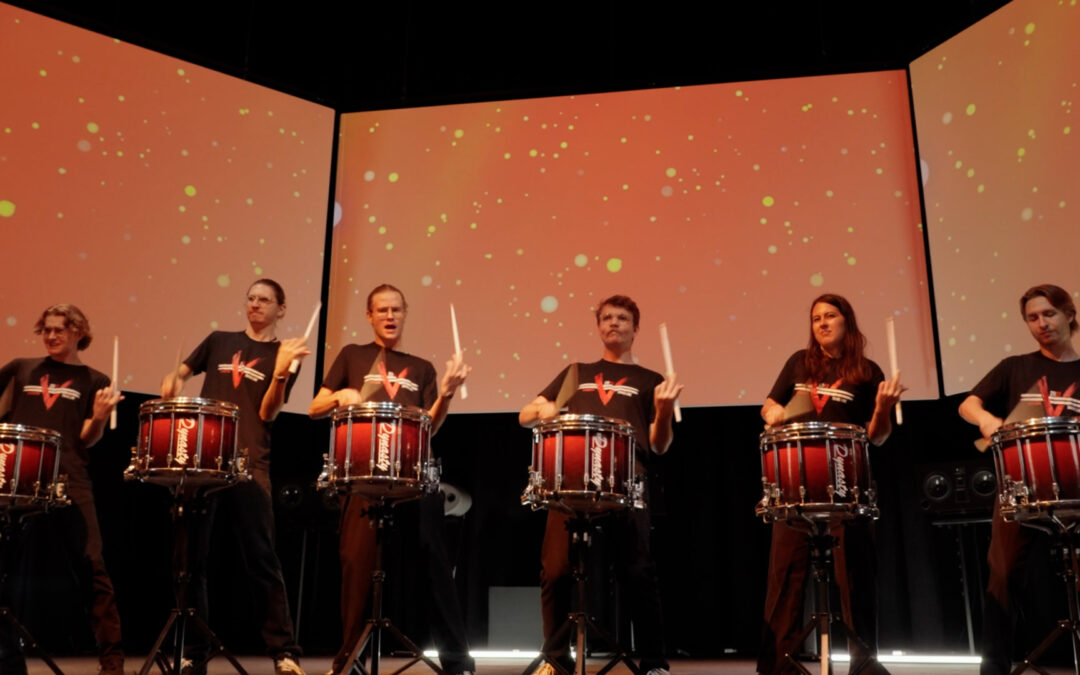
1026, 449
399, 440
811, 458
28, 457
585, 463
193, 436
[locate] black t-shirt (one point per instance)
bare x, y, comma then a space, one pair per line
622, 391
833, 400
396, 377
1017, 381
239, 370
57, 396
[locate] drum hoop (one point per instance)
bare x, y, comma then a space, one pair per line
799, 431
24, 432
1035, 426
381, 409
576, 422
189, 404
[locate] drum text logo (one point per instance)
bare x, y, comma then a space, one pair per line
596, 477
386, 432
183, 429
840, 471
6, 449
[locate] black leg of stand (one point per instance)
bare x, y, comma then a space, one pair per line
382, 519
184, 617
823, 620
579, 530
1065, 544
7, 618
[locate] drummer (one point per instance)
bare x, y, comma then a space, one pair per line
613, 387
251, 369
59, 392
1042, 383
378, 372
829, 381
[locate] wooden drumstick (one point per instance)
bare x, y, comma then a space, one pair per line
457, 347
295, 365
115, 374
665, 347
890, 336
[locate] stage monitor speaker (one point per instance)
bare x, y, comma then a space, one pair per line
964, 488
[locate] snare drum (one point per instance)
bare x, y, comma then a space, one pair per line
1038, 468
583, 463
816, 471
189, 441
29, 467
380, 451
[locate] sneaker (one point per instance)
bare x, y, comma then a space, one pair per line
659, 671
287, 666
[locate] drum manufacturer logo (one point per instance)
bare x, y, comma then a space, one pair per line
596, 473
385, 433
183, 430
6, 449
840, 471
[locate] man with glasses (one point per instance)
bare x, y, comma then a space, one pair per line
251, 369
59, 392
377, 372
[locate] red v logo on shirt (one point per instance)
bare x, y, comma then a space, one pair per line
47, 397
605, 394
820, 401
391, 388
238, 371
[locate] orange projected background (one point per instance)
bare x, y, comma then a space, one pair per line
150, 192
723, 210
1000, 146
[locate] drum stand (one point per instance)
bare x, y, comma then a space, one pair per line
1065, 543
8, 622
382, 518
183, 616
579, 529
823, 620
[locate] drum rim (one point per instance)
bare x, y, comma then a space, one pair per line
575, 421
1033, 426
189, 404
25, 432
373, 408
814, 429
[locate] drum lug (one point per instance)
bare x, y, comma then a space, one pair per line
831, 491
802, 494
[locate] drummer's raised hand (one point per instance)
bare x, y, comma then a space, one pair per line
348, 396
773, 413
289, 349
104, 401
665, 395
456, 372
888, 393
173, 382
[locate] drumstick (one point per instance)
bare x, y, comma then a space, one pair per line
665, 346
890, 336
115, 371
457, 347
295, 365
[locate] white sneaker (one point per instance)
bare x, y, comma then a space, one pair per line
659, 671
287, 666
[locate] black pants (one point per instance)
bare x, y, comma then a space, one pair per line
251, 521
1010, 548
357, 549
76, 529
629, 539
855, 573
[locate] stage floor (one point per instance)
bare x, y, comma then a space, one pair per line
320, 665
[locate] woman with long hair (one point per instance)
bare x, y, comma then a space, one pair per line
829, 381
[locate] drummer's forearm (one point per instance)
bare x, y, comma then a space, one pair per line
274, 399
92, 431
324, 403
438, 412
880, 427
174, 380
661, 435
